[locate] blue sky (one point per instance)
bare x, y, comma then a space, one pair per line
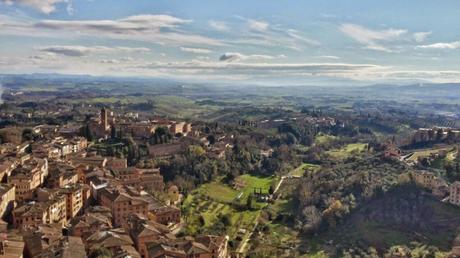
263, 41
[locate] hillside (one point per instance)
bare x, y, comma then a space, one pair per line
399, 217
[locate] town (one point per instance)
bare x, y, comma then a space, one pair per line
229, 129
64, 200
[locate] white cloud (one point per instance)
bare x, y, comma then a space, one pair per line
329, 57
371, 38
195, 50
44, 6
249, 68
449, 45
258, 25
231, 57
159, 29
295, 35
219, 25
421, 36
78, 51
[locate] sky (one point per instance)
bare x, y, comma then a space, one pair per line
260, 41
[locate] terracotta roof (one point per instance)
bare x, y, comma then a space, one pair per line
109, 238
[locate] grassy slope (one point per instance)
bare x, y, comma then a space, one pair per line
399, 217
347, 150
299, 171
214, 199
427, 152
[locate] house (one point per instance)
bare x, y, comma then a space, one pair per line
454, 193
165, 150
144, 231
7, 199
95, 219
165, 214
28, 177
11, 245
137, 130
48, 241
391, 151
122, 204
148, 179
77, 196
67, 247
112, 239
50, 209
92, 161
200, 247
61, 174
428, 180
116, 163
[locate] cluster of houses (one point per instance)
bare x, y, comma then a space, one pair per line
436, 134
102, 126
57, 199
322, 121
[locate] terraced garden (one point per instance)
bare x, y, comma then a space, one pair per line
218, 207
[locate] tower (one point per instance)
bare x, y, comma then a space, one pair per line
104, 119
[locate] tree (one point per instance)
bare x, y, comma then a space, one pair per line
113, 132
27, 135
86, 132
439, 135
212, 139
249, 201
312, 219
333, 213
100, 252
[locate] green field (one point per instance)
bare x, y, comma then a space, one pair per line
213, 201
300, 171
347, 150
427, 152
255, 182
324, 138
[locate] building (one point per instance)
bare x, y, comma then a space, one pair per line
391, 151
61, 174
122, 204
101, 127
66, 247
144, 231
28, 177
200, 247
116, 163
95, 219
7, 199
454, 193
47, 241
93, 161
428, 180
180, 128
112, 239
50, 209
165, 150
77, 195
173, 194
147, 179
165, 215
105, 119
137, 130
11, 245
